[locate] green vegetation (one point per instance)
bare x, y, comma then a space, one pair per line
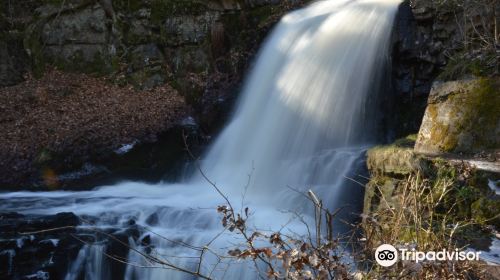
127, 5
444, 205
462, 64
395, 159
462, 191
161, 9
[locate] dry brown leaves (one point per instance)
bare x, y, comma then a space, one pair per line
77, 114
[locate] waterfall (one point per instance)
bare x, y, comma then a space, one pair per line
307, 97
305, 117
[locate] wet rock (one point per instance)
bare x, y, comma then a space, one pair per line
118, 246
152, 220
14, 223
56, 250
146, 240
36, 246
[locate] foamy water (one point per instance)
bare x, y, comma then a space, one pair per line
305, 118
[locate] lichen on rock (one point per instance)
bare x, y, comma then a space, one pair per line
461, 117
395, 159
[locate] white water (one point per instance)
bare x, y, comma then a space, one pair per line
304, 119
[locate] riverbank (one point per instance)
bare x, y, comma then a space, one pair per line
60, 122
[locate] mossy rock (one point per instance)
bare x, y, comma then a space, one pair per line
461, 117
128, 5
396, 159
487, 211
380, 188
162, 9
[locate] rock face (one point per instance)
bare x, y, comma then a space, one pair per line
201, 48
428, 41
415, 64
14, 61
148, 43
461, 117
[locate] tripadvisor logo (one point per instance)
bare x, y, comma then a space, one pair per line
387, 255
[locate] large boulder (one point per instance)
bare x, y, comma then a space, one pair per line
461, 117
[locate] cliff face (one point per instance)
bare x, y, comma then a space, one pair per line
196, 46
438, 41
451, 48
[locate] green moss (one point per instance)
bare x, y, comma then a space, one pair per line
486, 211
161, 9
53, 2
127, 5
484, 113
395, 159
480, 115
406, 142
261, 15
467, 193
450, 193
473, 114
378, 189
440, 131
461, 65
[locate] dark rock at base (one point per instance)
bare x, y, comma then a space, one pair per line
117, 246
152, 220
14, 223
37, 245
53, 247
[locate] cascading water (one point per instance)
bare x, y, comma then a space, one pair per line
304, 120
